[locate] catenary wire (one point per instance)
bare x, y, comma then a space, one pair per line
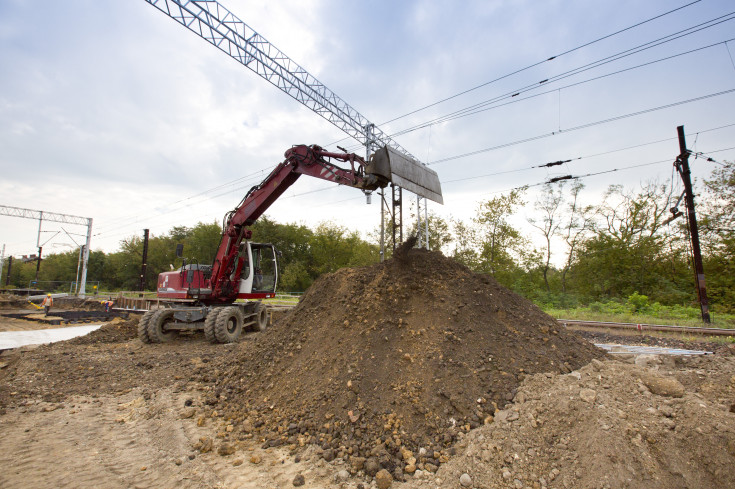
582, 126
520, 70
482, 106
595, 64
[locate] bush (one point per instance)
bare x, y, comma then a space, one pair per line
637, 302
597, 306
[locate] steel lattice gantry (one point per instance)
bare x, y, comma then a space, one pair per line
220, 27
56, 217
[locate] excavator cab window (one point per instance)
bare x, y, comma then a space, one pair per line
264, 267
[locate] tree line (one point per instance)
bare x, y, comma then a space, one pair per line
624, 244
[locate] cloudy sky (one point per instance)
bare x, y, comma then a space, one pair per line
111, 110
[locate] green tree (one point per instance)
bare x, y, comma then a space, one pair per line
574, 229
465, 241
439, 234
717, 227
502, 247
334, 247
548, 204
632, 249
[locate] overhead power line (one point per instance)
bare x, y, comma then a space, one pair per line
520, 70
491, 104
583, 126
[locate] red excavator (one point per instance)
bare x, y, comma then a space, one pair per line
203, 296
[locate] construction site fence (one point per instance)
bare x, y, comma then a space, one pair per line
70, 287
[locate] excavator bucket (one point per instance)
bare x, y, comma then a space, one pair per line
406, 172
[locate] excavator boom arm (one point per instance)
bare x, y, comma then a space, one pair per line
300, 160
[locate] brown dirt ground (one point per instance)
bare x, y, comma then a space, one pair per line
324, 381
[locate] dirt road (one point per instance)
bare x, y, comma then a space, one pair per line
130, 441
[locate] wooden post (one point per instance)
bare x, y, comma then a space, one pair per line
682, 166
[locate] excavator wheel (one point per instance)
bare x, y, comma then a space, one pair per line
156, 327
209, 323
143, 326
261, 317
228, 326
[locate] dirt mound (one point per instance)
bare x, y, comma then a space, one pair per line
397, 356
116, 331
87, 304
13, 302
659, 424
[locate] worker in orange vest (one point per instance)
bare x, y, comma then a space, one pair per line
48, 301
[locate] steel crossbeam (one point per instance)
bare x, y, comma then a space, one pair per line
41, 216
46, 216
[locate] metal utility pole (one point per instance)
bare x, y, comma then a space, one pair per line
145, 260
682, 166
382, 225
38, 262
422, 235
426, 223
397, 193
10, 265
418, 220
38, 245
2, 264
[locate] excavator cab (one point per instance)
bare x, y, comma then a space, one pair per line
259, 275
258, 264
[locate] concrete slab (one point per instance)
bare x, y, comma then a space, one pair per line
15, 339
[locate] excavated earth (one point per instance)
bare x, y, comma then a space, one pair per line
379, 375
392, 357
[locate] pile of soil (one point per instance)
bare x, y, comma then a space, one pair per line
385, 365
658, 422
8, 301
78, 303
116, 331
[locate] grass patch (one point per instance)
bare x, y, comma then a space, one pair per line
615, 312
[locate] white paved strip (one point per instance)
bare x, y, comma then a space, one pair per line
15, 339
648, 350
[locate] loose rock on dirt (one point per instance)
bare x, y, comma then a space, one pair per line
402, 355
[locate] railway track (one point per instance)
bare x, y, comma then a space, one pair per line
648, 327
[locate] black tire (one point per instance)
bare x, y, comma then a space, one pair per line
157, 326
261, 317
209, 323
143, 326
228, 326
